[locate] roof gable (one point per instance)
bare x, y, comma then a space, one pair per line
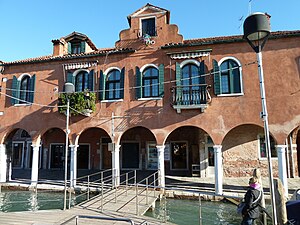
149, 9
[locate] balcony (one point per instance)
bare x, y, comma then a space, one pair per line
190, 97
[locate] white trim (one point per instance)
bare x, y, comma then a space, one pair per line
23, 75
187, 156
107, 71
189, 61
80, 70
144, 18
144, 67
231, 95
150, 98
113, 100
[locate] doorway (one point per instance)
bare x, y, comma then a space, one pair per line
130, 155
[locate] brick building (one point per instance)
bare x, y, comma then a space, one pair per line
193, 104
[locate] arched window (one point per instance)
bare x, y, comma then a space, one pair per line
24, 89
150, 82
190, 76
82, 81
227, 76
113, 85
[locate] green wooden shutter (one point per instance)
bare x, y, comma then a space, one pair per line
82, 47
231, 77
202, 73
15, 91
139, 80
217, 78
69, 48
102, 86
70, 78
91, 80
122, 78
31, 89
178, 97
161, 78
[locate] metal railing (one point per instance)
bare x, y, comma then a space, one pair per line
77, 221
190, 94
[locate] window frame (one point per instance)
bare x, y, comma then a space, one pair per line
272, 147
78, 72
107, 82
240, 76
19, 91
141, 25
151, 78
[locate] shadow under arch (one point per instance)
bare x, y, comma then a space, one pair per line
138, 149
187, 146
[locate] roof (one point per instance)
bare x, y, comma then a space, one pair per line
149, 6
186, 43
229, 39
100, 52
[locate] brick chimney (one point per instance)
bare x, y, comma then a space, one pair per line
58, 47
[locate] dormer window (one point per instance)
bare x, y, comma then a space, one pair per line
76, 47
148, 26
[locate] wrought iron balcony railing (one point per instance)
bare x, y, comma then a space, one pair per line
190, 97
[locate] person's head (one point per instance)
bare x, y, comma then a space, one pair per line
253, 180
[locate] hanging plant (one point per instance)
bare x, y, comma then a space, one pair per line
80, 103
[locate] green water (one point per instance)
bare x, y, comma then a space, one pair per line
186, 212
14, 201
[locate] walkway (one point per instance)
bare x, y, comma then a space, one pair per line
114, 204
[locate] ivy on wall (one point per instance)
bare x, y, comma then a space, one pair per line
80, 103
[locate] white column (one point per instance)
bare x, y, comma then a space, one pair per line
35, 164
116, 164
218, 169
3, 163
282, 167
73, 165
161, 165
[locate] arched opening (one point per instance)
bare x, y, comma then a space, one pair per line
189, 152
138, 149
92, 151
19, 153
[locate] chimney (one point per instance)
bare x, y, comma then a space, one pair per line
58, 47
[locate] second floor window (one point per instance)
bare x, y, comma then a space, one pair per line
83, 80
76, 47
227, 77
148, 26
113, 85
150, 82
23, 89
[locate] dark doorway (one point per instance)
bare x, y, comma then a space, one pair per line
130, 155
83, 157
57, 156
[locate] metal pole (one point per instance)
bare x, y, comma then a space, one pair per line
267, 133
66, 153
200, 207
88, 188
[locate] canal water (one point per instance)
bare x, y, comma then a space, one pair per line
185, 212
14, 201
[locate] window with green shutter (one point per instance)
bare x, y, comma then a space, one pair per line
102, 86
230, 77
23, 90
138, 88
150, 82
113, 85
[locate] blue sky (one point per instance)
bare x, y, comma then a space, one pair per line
28, 26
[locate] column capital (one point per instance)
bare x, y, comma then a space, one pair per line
35, 146
217, 148
73, 147
281, 148
160, 148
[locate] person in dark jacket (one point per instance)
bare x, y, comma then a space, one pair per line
252, 198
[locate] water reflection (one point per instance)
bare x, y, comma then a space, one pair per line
13, 201
187, 212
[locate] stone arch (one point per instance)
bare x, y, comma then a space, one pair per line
244, 150
138, 148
